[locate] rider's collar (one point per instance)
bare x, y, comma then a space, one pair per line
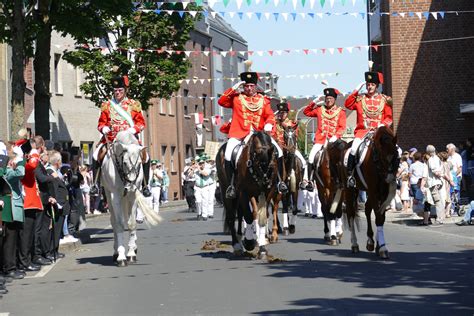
373, 96
117, 102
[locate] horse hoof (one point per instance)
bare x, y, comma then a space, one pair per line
339, 237
285, 231
355, 249
122, 263
370, 247
333, 241
132, 259
249, 245
274, 239
327, 238
292, 229
114, 258
262, 253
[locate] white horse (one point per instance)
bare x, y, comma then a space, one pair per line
122, 175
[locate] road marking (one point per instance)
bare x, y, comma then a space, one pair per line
101, 231
44, 270
433, 230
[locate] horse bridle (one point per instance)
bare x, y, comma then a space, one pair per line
119, 163
262, 178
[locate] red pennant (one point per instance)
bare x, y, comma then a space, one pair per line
323, 50
306, 51
232, 53
340, 49
376, 47
250, 52
270, 52
196, 53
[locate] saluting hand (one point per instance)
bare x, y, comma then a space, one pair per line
238, 85
105, 130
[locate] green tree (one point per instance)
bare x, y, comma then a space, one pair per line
152, 73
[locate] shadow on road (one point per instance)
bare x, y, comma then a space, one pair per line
430, 282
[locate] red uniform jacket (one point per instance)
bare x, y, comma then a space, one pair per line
370, 112
330, 122
247, 112
32, 198
279, 130
109, 117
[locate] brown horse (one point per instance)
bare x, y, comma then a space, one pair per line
330, 181
256, 179
376, 175
294, 168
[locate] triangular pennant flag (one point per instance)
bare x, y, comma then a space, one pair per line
294, 2
169, 12
259, 15
249, 2
354, 14
402, 14
331, 50
213, 14
285, 15
185, 4
224, 53
206, 53
211, 3
410, 14
257, 2
195, 80
276, 15
249, 15
267, 15
240, 14
202, 81
319, 14
362, 15
259, 53
303, 15
199, 2
239, 3
276, 2
293, 14
340, 49
311, 14
315, 51
180, 81
426, 15
209, 80
187, 53
226, 2
181, 13
353, 2
435, 15
441, 13
250, 53
332, 3
418, 14
306, 51
270, 52
205, 13
212, 98
231, 14
193, 13
349, 49
343, 2
279, 52
311, 4
323, 50
322, 2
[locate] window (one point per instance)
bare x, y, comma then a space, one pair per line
189, 153
162, 106
186, 110
170, 107
78, 73
86, 152
196, 108
204, 97
58, 84
218, 60
185, 94
203, 58
173, 148
163, 152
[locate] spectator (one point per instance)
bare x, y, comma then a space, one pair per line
467, 220
465, 183
434, 182
447, 182
156, 182
212, 187
188, 183
415, 172
404, 192
411, 155
470, 160
455, 160
86, 186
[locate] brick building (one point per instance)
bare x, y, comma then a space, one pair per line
428, 81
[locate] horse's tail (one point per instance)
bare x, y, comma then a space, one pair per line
262, 210
151, 216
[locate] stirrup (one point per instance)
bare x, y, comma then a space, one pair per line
351, 183
282, 188
230, 192
310, 186
94, 190
146, 192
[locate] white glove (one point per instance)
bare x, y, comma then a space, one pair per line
18, 153
332, 139
360, 86
105, 130
268, 127
318, 100
132, 130
380, 125
238, 85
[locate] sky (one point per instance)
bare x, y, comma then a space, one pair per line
330, 31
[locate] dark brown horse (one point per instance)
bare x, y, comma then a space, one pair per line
256, 179
294, 172
330, 181
376, 176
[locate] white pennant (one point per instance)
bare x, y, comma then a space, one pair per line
211, 3
315, 76
187, 53
311, 4
402, 14
418, 14
297, 51
257, 1
239, 3
319, 15
267, 15
194, 81
294, 3
354, 14
193, 13
180, 81
185, 4
169, 12
169, 52
279, 52
331, 50
353, 2
249, 15
276, 2
202, 81
231, 14
187, 81
315, 50
366, 47
285, 15
224, 53
206, 53
435, 15
303, 15
209, 80
213, 14
212, 98
332, 3
349, 49
259, 53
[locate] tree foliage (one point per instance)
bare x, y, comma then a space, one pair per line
151, 73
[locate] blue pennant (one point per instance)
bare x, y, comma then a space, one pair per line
441, 13
394, 13
411, 14
311, 15
426, 15
294, 16
258, 14
276, 14
205, 13
222, 13
362, 15
240, 14
181, 13
157, 11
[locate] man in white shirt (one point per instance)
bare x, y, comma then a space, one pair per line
416, 172
156, 182
435, 183
456, 160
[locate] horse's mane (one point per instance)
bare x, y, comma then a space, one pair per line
126, 138
264, 138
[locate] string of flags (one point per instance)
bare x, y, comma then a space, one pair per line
310, 15
299, 76
287, 97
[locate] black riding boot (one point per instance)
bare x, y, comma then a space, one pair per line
351, 183
230, 174
94, 190
309, 186
282, 188
146, 177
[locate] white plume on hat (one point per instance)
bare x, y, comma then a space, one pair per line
248, 65
371, 65
325, 82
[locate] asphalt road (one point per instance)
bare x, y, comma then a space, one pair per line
430, 273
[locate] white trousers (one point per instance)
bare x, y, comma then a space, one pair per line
314, 151
355, 144
202, 200
155, 193
212, 195
232, 142
301, 158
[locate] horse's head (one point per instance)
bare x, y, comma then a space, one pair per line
261, 150
290, 137
386, 153
127, 155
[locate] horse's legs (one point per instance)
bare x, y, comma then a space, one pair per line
327, 236
331, 218
132, 246
251, 221
339, 231
117, 222
382, 250
285, 214
113, 222
294, 212
370, 233
354, 244
351, 210
274, 237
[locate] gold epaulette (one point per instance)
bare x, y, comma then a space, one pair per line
105, 106
136, 106
388, 99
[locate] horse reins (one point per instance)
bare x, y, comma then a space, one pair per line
261, 177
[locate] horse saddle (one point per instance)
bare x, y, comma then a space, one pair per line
361, 152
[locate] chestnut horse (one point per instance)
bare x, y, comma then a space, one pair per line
330, 181
256, 178
377, 176
294, 168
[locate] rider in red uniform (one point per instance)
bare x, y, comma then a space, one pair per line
250, 111
120, 114
373, 110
